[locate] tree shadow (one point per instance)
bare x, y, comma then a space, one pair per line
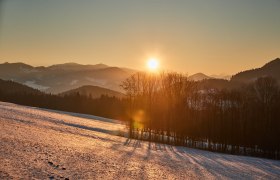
212, 164
63, 130
79, 115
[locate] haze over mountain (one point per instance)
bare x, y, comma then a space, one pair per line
63, 77
199, 77
60, 78
10, 87
93, 91
221, 76
78, 67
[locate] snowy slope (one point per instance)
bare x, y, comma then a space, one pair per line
44, 144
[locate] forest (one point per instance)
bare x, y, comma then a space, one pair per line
105, 106
168, 108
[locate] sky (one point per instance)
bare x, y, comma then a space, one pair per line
189, 36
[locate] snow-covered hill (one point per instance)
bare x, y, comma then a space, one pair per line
40, 143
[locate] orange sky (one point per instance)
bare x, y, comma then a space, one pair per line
188, 36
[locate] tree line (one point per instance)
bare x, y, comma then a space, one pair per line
169, 108
105, 106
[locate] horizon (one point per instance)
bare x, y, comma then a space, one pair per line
219, 75
218, 38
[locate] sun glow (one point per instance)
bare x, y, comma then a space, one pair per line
152, 64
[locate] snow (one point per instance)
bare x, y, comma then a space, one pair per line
40, 144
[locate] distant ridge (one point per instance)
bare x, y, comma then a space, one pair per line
93, 91
271, 69
60, 78
63, 77
272, 64
76, 66
199, 77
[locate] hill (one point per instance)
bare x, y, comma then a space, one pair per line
47, 144
10, 87
93, 91
105, 106
271, 69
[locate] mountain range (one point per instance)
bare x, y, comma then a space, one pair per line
270, 69
63, 77
90, 79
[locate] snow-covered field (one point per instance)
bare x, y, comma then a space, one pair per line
41, 144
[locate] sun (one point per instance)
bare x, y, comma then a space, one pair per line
153, 64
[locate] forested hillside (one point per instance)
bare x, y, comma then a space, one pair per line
105, 106
171, 109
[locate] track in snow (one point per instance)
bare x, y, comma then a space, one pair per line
40, 143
